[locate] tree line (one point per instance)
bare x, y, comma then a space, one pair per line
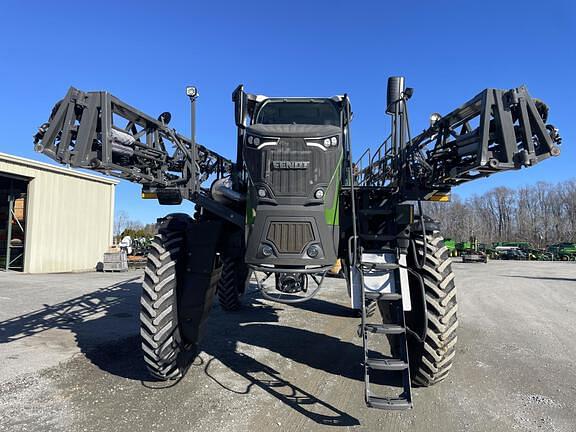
541, 214
124, 226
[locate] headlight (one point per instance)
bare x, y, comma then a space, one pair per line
260, 142
267, 251
323, 143
313, 251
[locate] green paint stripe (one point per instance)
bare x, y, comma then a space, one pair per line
332, 214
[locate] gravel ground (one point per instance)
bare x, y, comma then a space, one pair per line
70, 360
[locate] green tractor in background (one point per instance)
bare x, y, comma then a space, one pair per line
563, 251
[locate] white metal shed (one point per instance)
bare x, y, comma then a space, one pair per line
52, 219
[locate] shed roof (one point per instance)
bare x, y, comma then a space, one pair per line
43, 166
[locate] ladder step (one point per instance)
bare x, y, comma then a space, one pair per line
375, 295
388, 403
380, 266
386, 364
384, 328
379, 251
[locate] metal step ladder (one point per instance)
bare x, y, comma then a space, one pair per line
382, 281
372, 252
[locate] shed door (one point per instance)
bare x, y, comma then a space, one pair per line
13, 193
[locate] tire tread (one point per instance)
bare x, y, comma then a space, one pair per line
432, 360
160, 337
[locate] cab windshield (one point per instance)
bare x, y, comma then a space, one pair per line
299, 112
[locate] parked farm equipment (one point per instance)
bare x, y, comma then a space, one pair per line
293, 201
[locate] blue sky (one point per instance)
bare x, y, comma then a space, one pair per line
146, 52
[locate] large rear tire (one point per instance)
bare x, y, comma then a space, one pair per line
432, 358
166, 354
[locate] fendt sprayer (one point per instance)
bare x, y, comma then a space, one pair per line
293, 202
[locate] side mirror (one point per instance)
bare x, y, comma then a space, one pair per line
239, 99
347, 109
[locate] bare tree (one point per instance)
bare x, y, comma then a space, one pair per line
120, 223
541, 214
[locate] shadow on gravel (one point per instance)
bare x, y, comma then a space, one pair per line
325, 308
270, 380
94, 319
543, 278
112, 313
255, 325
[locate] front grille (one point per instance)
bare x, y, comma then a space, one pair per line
291, 182
290, 237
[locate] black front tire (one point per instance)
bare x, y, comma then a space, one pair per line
166, 354
432, 358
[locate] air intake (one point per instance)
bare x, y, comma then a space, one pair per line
290, 237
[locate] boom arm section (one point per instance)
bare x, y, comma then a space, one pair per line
97, 131
495, 131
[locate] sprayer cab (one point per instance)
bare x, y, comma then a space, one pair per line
293, 151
